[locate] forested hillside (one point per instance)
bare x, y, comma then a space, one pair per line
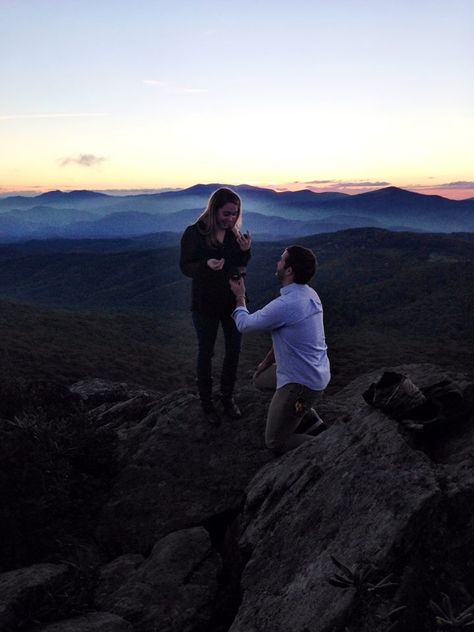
124, 314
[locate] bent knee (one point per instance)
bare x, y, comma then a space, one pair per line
266, 379
275, 444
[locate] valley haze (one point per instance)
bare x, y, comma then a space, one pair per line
268, 214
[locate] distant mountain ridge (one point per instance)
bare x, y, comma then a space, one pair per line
81, 194
268, 213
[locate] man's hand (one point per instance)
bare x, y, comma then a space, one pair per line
216, 264
238, 288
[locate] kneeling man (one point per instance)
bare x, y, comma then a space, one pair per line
297, 365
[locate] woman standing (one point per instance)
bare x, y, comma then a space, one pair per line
212, 250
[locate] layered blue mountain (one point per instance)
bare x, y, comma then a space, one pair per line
267, 213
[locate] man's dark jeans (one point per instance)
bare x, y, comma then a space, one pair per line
206, 330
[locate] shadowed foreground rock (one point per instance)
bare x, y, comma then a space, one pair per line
173, 590
28, 589
179, 471
358, 493
361, 493
94, 622
207, 532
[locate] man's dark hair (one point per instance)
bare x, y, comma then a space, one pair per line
303, 262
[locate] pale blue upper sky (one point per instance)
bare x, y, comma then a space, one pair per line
117, 94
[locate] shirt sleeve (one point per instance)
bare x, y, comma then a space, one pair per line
191, 259
272, 316
244, 256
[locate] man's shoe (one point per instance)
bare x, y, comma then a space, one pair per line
211, 415
311, 424
230, 408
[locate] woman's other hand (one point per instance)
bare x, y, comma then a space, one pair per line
216, 264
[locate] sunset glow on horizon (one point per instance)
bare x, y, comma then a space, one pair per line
348, 96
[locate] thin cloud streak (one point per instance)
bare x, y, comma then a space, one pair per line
191, 90
364, 184
315, 182
343, 183
13, 117
346, 186
155, 82
458, 190
461, 184
168, 87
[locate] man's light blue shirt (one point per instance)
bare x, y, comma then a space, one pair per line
295, 320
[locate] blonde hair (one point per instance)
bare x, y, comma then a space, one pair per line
208, 217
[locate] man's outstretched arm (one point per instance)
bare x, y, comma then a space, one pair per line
269, 317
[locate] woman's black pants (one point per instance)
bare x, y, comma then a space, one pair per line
206, 329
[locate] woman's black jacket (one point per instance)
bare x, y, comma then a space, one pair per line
211, 293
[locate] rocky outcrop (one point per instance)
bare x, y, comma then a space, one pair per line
27, 591
364, 494
358, 493
206, 531
93, 622
179, 471
368, 493
95, 391
174, 589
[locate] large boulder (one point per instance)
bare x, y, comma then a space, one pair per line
372, 497
26, 591
179, 471
171, 591
363, 501
93, 622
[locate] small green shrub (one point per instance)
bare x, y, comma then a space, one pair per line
448, 619
361, 577
370, 606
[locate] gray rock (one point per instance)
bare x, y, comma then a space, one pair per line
95, 391
171, 591
123, 416
359, 491
367, 489
179, 471
26, 590
93, 622
115, 574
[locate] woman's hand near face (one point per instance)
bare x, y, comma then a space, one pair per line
244, 240
215, 264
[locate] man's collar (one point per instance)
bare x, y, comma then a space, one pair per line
287, 289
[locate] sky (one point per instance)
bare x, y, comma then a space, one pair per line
345, 95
